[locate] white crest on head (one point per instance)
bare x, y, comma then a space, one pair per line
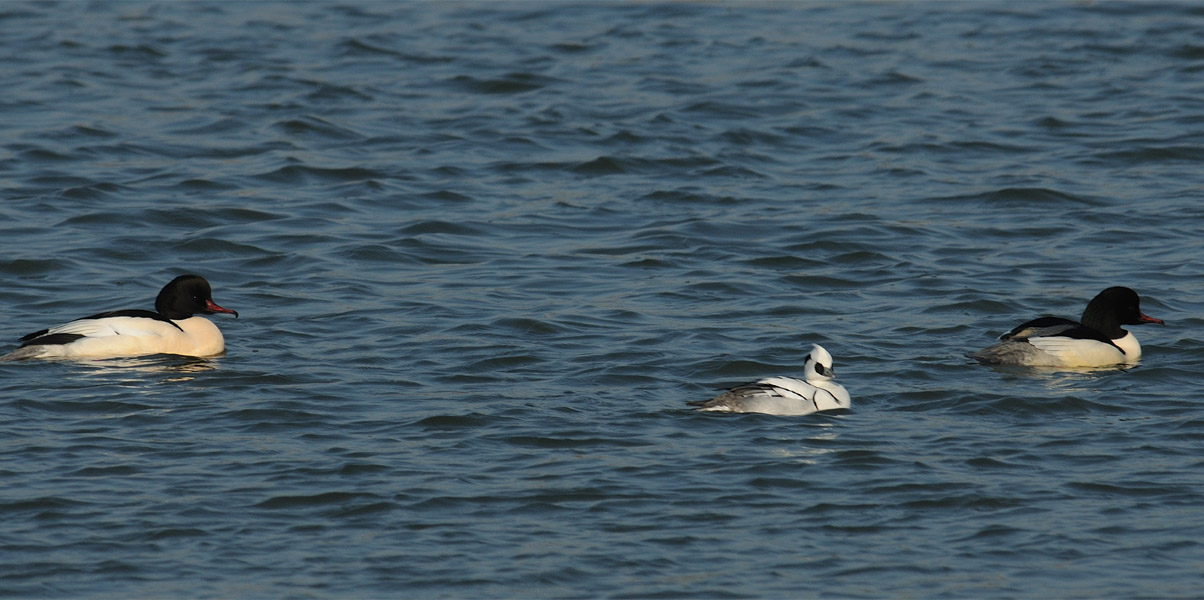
819, 365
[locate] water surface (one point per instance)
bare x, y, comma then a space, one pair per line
483, 254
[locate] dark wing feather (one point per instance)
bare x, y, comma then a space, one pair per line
1039, 327
133, 312
737, 393
49, 340
33, 336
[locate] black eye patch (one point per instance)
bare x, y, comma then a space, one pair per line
819, 368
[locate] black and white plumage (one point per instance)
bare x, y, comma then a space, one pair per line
1096, 341
174, 327
786, 395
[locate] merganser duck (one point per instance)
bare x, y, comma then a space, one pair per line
1097, 341
786, 395
172, 328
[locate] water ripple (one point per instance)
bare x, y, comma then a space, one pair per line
485, 253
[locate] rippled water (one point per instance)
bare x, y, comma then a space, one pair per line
484, 253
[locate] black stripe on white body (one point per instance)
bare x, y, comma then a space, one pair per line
786, 395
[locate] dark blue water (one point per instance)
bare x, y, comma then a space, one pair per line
484, 253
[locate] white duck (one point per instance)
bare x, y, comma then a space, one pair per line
1097, 341
173, 328
786, 395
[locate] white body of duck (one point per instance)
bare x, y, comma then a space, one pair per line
786, 395
173, 328
1096, 341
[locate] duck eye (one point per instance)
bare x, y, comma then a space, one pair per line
819, 368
